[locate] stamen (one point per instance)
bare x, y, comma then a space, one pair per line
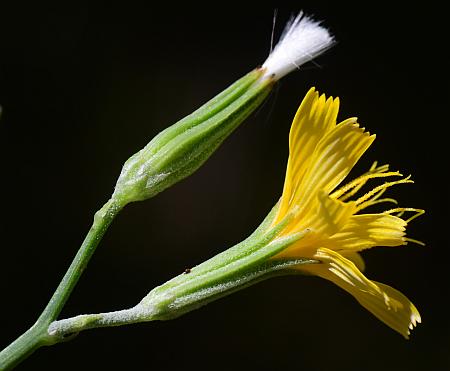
379, 202
373, 200
381, 187
414, 241
402, 210
419, 212
400, 214
359, 182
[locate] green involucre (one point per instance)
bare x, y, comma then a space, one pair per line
234, 269
182, 148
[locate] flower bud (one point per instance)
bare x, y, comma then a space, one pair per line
182, 148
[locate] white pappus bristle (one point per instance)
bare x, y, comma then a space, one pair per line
303, 39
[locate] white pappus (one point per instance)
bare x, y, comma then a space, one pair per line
302, 40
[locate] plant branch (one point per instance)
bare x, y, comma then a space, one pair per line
38, 335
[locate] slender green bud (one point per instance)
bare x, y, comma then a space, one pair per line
182, 148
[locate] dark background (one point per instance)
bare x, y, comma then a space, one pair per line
84, 87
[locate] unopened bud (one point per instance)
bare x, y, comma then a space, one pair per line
182, 148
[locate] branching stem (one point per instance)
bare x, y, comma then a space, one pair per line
38, 334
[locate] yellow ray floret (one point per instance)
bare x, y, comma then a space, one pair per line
315, 117
369, 230
386, 303
321, 155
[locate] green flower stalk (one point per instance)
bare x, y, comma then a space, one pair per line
171, 156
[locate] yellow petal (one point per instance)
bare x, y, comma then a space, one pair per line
326, 216
402, 315
387, 304
334, 157
315, 117
324, 219
368, 230
356, 258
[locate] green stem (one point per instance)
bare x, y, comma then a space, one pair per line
155, 308
38, 335
102, 220
138, 313
24, 345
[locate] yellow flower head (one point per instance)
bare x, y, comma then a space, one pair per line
321, 154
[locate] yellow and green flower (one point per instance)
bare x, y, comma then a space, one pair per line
322, 153
315, 228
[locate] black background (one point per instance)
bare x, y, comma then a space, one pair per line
84, 87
